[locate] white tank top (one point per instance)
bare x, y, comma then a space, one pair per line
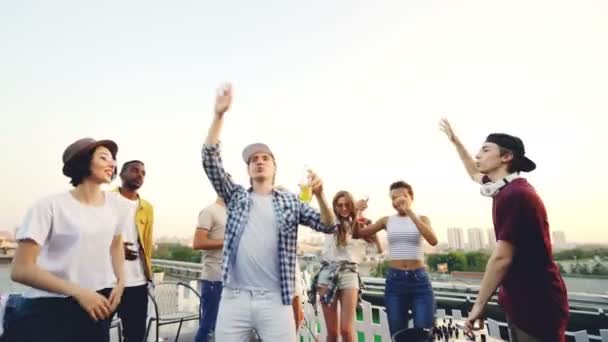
404, 239
353, 251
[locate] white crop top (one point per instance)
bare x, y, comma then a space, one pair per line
404, 239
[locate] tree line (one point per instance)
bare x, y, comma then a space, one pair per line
476, 262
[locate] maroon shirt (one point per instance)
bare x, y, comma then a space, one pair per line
532, 293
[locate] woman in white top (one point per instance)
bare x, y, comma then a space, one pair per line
70, 254
407, 284
338, 280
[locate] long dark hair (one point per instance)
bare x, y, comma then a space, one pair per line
344, 225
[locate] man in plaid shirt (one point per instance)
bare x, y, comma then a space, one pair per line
258, 267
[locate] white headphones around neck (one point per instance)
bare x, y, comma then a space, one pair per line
490, 189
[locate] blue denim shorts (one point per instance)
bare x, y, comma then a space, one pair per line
346, 279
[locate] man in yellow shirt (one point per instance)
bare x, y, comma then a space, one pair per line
133, 309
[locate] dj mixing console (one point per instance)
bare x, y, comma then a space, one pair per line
448, 330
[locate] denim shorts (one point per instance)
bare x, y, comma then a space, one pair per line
346, 279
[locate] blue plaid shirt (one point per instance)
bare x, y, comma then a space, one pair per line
289, 213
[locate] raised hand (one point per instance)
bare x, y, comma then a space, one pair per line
361, 205
404, 203
445, 126
316, 184
223, 100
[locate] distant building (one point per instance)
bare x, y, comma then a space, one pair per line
475, 239
559, 239
455, 238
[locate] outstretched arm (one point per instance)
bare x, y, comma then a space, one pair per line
212, 160
465, 156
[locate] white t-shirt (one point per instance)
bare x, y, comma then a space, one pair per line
134, 269
352, 252
75, 239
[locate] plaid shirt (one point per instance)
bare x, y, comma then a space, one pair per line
334, 269
289, 213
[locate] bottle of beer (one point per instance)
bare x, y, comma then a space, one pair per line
305, 189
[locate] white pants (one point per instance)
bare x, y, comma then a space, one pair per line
241, 311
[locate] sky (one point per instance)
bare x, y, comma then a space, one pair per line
354, 89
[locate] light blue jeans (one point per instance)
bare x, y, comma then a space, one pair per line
241, 311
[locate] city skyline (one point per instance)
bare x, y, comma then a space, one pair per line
456, 238
491, 238
487, 243
475, 240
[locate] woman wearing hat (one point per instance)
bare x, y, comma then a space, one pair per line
70, 254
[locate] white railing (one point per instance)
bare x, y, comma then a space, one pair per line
314, 326
587, 303
314, 329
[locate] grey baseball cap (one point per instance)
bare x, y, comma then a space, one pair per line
254, 148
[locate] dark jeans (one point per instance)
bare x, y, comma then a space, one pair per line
211, 292
53, 319
405, 291
133, 312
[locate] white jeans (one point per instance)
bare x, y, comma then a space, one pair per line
243, 310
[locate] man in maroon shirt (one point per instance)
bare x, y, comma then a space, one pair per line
532, 291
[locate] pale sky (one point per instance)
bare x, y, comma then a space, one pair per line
352, 88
